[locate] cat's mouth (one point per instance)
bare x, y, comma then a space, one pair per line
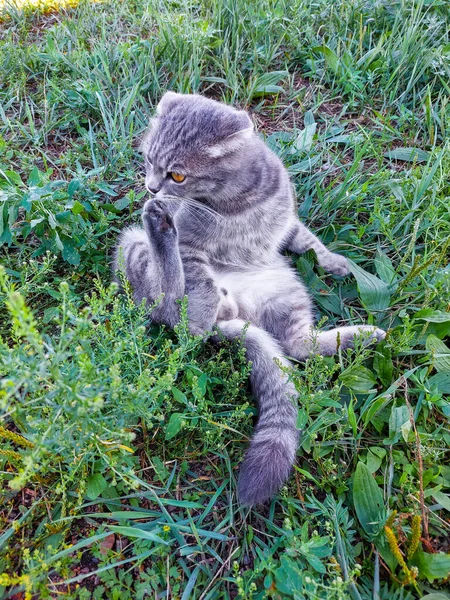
194, 206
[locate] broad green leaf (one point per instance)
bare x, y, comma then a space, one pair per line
399, 418
95, 485
174, 425
442, 499
267, 90
432, 566
385, 268
122, 203
267, 83
304, 166
408, 154
34, 177
359, 379
352, 418
386, 553
433, 316
308, 119
77, 208
215, 535
73, 186
368, 501
288, 576
437, 596
373, 462
179, 396
12, 177
373, 292
440, 354
84, 542
382, 363
440, 381
302, 418
331, 58
305, 138
135, 532
70, 252
315, 563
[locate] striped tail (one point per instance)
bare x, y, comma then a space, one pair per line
269, 459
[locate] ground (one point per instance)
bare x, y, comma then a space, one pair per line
120, 440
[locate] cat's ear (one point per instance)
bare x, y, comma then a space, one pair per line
241, 129
166, 102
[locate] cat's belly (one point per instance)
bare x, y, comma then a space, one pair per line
253, 289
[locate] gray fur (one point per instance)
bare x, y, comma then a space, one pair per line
218, 237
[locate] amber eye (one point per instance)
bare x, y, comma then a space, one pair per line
177, 177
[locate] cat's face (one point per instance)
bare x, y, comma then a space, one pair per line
191, 147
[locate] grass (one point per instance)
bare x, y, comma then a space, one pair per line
121, 440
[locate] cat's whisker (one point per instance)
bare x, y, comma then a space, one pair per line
194, 204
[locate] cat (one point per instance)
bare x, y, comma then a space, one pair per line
222, 210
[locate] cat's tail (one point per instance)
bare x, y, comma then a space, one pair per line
269, 459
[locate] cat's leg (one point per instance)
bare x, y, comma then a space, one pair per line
300, 239
271, 454
151, 261
288, 317
203, 293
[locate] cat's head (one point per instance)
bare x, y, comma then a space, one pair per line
193, 145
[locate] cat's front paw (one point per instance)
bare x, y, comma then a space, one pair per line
157, 219
335, 263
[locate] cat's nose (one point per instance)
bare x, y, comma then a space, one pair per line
152, 188
153, 183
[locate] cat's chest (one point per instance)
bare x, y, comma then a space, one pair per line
231, 238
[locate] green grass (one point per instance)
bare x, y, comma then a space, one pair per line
121, 441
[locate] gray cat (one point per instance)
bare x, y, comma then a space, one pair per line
222, 212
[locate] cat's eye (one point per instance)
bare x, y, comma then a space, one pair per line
177, 177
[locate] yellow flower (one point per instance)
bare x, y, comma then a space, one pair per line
416, 531
10, 454
15, 437
393, 545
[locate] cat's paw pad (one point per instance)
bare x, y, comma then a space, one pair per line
157, 218
336, 264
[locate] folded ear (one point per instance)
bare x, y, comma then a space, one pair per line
166, 101
241, 129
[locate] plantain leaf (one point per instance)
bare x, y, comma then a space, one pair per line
382, 363
407, 154
440, 354
359, 379
368, 501
432, 566
433, 316
330, 56
135, 532
373, 292
442, 499
268, 84
441, 381
399, 424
